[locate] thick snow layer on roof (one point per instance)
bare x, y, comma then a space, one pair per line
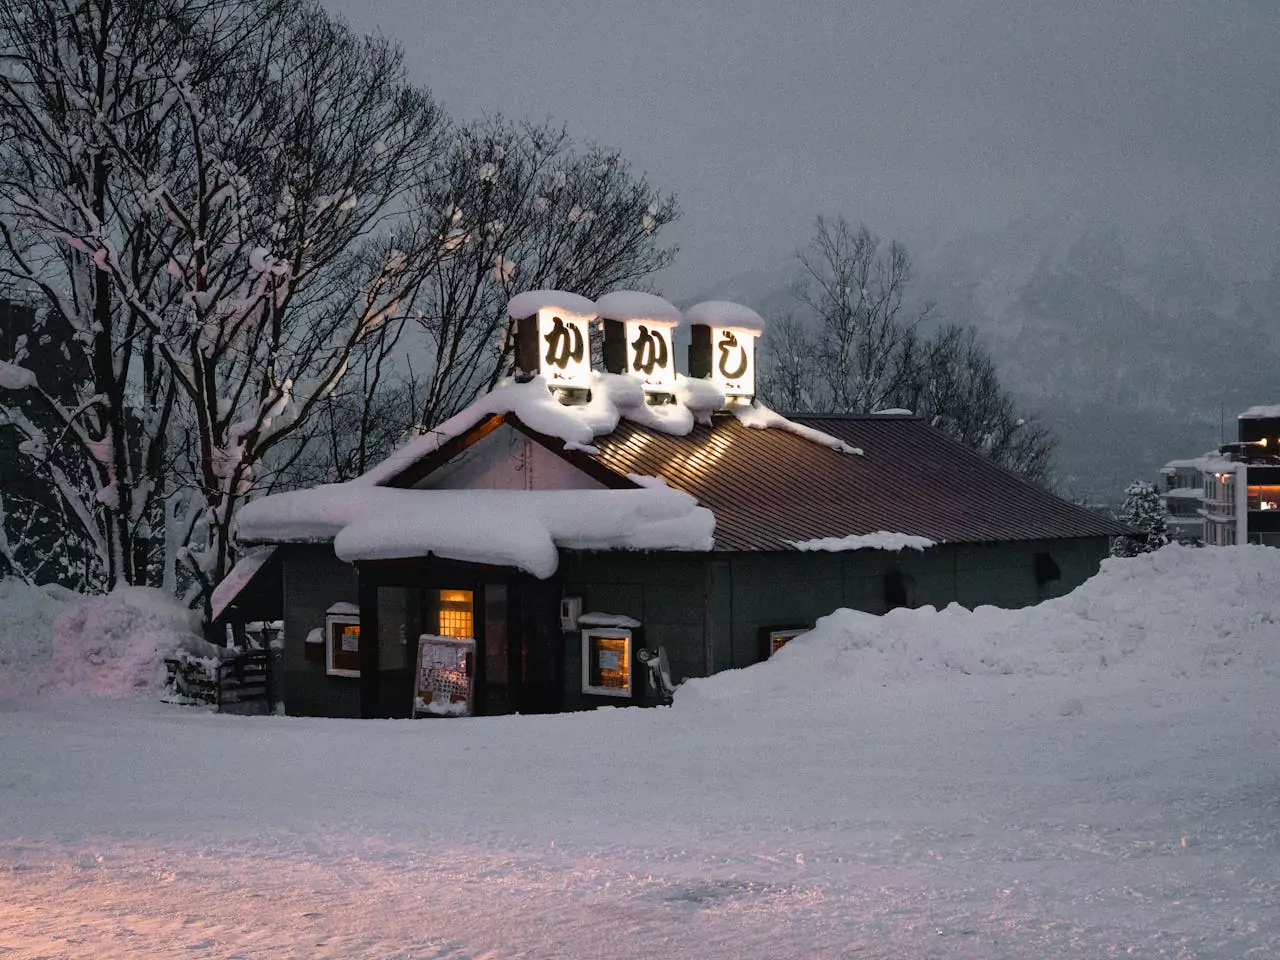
595, 619
236, 579
724, 313
14, 377
637, 305
1209, 463
515, 528
531, 301
893, 412
1261, 413
613, 398
881, 540
1185, 493
762, 418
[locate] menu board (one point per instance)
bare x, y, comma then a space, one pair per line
444, 684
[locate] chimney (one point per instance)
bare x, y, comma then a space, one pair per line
639, 340
723, 347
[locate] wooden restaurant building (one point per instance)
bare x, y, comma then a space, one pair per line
578, 537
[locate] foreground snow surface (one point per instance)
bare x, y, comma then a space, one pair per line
1120, 797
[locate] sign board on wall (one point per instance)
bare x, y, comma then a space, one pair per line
342, 645
606, 662
444, 684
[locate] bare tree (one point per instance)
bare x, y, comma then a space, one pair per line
519, 209
278, 173
863, 350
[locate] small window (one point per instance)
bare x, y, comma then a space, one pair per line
606, 662
777, 639
457, 614
342, 642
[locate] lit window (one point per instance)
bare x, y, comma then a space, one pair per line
780, 638
606, 662
456, 614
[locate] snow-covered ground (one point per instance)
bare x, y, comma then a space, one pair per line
1098, 776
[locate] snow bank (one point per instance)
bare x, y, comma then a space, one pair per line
881, 540
27, 614
114, 646
1180, 611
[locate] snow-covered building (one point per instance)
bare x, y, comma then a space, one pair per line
580, 537
1238, 498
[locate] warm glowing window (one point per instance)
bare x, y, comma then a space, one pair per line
457, 617
606, 662
1264, 497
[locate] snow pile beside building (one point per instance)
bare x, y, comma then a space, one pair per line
54, 642
1180, 612
27, 614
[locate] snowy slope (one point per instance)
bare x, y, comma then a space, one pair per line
927, 785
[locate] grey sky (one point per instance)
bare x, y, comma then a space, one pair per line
922, 117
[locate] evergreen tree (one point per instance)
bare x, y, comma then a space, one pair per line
1145, 512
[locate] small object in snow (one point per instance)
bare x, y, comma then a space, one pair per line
1070, 708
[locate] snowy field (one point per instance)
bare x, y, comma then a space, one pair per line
1095, 777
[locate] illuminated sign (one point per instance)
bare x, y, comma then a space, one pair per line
733, 361
606, 662
650, 355
342, 645
445, 683
564, 349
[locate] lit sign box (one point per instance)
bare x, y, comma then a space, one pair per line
733, 362
606, 662
651, 356
342, 645
564, 349
775, 640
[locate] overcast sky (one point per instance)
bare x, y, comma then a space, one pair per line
922, 117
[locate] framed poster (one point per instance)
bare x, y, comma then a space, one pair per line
342, 645
444, 682
606, 662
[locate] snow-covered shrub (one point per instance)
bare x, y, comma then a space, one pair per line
1145, 512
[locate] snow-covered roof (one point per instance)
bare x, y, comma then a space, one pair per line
237, 579
724, 313
1209, 463
1185, 493
637, 305
531, 301
1261, 413
613, 398
514, 528
881, 540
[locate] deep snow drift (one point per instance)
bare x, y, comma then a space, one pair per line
56, 643
1093, 777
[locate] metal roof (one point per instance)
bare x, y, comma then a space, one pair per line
768, 488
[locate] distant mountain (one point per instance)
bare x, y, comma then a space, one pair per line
1137, 346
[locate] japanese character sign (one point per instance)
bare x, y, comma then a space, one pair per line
650, 357
733, 361
564, 349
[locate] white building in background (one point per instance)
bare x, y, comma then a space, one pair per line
1231, 496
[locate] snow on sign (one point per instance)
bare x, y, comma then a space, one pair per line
445, 684
638, 338
553, 337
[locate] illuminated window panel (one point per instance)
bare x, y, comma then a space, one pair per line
606, 662
457, 614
